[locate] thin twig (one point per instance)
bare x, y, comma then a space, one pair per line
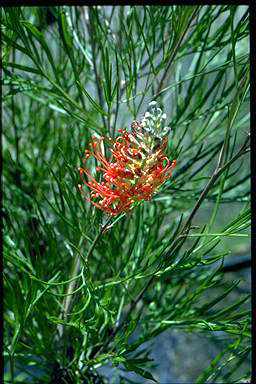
174, 52
97, 78
75, 272
16, 135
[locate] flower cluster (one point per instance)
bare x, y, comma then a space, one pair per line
137, 167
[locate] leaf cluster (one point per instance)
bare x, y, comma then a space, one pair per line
83, 291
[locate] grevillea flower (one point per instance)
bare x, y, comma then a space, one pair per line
137, 168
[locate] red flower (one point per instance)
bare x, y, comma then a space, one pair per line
137, 167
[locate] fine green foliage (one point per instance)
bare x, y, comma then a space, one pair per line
84, 290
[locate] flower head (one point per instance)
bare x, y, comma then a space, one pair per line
138, 165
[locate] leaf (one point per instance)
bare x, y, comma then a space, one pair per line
209, 305
229, 309
131, 328
95, 105
13, 43
22, 68
140, 371
15, 256
39, 36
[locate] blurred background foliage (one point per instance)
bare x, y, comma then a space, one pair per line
69, 72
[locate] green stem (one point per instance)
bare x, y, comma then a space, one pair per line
75, 272
12, 369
